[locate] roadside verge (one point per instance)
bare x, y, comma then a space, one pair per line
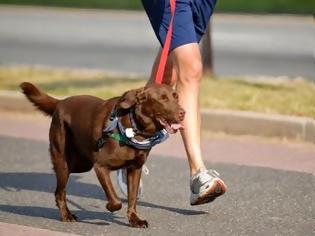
226, 121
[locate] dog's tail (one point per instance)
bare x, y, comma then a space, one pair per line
41, 100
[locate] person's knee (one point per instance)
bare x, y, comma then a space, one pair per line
188, 64
196, 70
192, 73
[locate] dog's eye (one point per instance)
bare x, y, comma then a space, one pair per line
164, 98
175, 95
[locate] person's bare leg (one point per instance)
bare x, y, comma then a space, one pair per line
188, 64
184, 66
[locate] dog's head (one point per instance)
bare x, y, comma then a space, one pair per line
156, 107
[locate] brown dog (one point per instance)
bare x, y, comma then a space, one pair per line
77, 126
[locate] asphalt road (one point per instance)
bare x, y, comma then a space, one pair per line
124, 41
260, 201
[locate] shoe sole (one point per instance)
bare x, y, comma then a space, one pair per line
218, 189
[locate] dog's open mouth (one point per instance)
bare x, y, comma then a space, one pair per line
171, 128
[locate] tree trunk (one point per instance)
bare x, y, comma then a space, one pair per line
206, 53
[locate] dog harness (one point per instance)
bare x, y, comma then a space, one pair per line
118, 132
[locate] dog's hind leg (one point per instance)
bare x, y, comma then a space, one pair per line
103, 175
57, 151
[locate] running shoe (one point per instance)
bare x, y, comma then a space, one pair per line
205, 187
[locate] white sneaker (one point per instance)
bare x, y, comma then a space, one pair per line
205, 187
122, 181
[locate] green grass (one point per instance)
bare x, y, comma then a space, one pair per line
64, 82
267, 6
290, 97
278, 96
107, 4
246, 6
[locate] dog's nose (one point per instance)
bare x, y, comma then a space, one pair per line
181, 114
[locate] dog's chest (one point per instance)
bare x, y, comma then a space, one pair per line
116, 156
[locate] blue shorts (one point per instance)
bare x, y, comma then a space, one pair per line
190, 22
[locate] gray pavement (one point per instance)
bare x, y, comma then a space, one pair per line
260, 201
124, 41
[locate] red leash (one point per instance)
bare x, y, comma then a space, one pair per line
166, 47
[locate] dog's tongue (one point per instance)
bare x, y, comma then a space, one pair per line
171, 128
177, 126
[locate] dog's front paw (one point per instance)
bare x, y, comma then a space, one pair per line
136, 222
113, 206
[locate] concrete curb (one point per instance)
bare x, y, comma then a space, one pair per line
227, 121
259, 124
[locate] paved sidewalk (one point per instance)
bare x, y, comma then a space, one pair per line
19, 230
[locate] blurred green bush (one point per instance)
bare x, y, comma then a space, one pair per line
267, 6
242, 6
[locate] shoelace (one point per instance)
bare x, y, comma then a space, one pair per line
203, 176
213, 173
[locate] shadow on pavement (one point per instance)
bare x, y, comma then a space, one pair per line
45, 182
50, 213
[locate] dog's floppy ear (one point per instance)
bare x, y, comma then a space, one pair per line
142, 95
131, 97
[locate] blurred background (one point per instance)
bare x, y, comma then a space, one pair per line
247, 39
250, 43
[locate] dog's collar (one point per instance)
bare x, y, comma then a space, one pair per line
126, 135
133, 121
